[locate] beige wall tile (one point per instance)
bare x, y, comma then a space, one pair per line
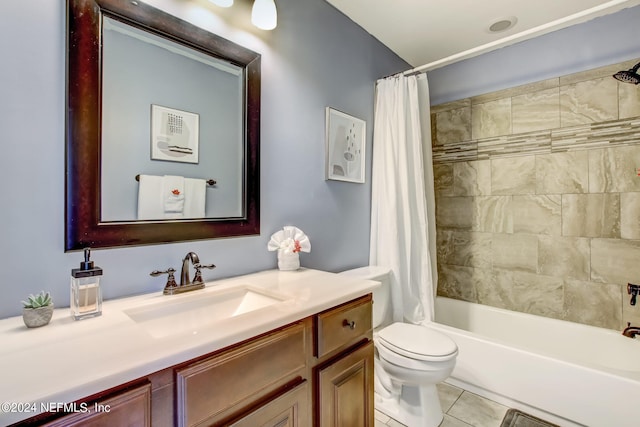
614, 170
594, 304
560, 173
498, 291
564, 257
515, 252
516, 175
491, 119
536, 111
529, 293
629, 98
588, 102
459, 282
453, 105
537, 214
453, 126
615, 261
516, 91
471, 249
630, 215
443, 178
443, 245
454, 213
493, 214
591, 215
472, 178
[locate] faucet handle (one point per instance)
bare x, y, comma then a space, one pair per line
198, 274
209, 266
171, 279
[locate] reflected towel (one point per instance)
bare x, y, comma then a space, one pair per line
150, 197
173, 194
195, 198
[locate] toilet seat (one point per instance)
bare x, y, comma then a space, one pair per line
417, 342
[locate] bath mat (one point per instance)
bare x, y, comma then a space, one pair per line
515, 418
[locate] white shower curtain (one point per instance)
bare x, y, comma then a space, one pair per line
402, 202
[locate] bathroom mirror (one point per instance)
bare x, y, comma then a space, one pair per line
117, 106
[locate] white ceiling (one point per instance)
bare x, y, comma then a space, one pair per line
438, 32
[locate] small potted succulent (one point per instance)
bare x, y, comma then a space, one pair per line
37, 310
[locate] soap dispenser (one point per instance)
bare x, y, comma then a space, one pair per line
86, 297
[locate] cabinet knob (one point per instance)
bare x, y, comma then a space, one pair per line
351, 325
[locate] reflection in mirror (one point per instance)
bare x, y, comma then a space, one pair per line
169, 103
168, 110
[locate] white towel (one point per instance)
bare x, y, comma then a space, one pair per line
150, 197
173, 194
195, 197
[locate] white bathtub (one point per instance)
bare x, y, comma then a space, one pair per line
564, 372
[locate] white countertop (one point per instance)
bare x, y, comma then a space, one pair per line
68, 360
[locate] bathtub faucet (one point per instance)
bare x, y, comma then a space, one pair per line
631, 331
633, 290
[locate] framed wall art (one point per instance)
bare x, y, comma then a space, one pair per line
174, 135
345, 147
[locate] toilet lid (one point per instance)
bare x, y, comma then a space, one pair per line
417, 342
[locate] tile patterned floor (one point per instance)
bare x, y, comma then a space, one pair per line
461, 409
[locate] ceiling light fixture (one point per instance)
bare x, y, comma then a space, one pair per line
222, 3
503, 24
264, 14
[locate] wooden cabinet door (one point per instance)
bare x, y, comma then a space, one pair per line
130, 408
291, 409
345, 390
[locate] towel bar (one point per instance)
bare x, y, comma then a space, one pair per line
209, 181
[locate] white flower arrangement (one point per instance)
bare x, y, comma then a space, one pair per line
289, 242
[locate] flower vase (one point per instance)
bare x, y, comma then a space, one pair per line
288, 261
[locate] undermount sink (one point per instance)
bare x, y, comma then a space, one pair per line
189, 314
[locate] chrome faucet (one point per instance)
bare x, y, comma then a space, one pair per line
631, 331
184, 273
186, 284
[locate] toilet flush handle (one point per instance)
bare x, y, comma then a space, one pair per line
351, 325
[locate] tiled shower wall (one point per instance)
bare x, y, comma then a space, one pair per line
538, 197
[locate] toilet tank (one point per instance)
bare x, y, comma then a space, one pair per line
381, 295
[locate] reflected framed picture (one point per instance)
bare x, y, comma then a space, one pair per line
345, 147
174, 134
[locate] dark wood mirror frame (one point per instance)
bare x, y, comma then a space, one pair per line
83, 129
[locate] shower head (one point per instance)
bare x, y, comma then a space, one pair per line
629, 76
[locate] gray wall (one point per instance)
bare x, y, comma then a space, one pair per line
315, 58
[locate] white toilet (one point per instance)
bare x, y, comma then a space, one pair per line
410, 360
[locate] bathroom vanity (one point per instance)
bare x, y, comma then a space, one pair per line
296, 350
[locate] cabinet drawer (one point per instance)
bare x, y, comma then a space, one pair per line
208, 390
342, 325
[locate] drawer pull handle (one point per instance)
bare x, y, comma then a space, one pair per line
351, 325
